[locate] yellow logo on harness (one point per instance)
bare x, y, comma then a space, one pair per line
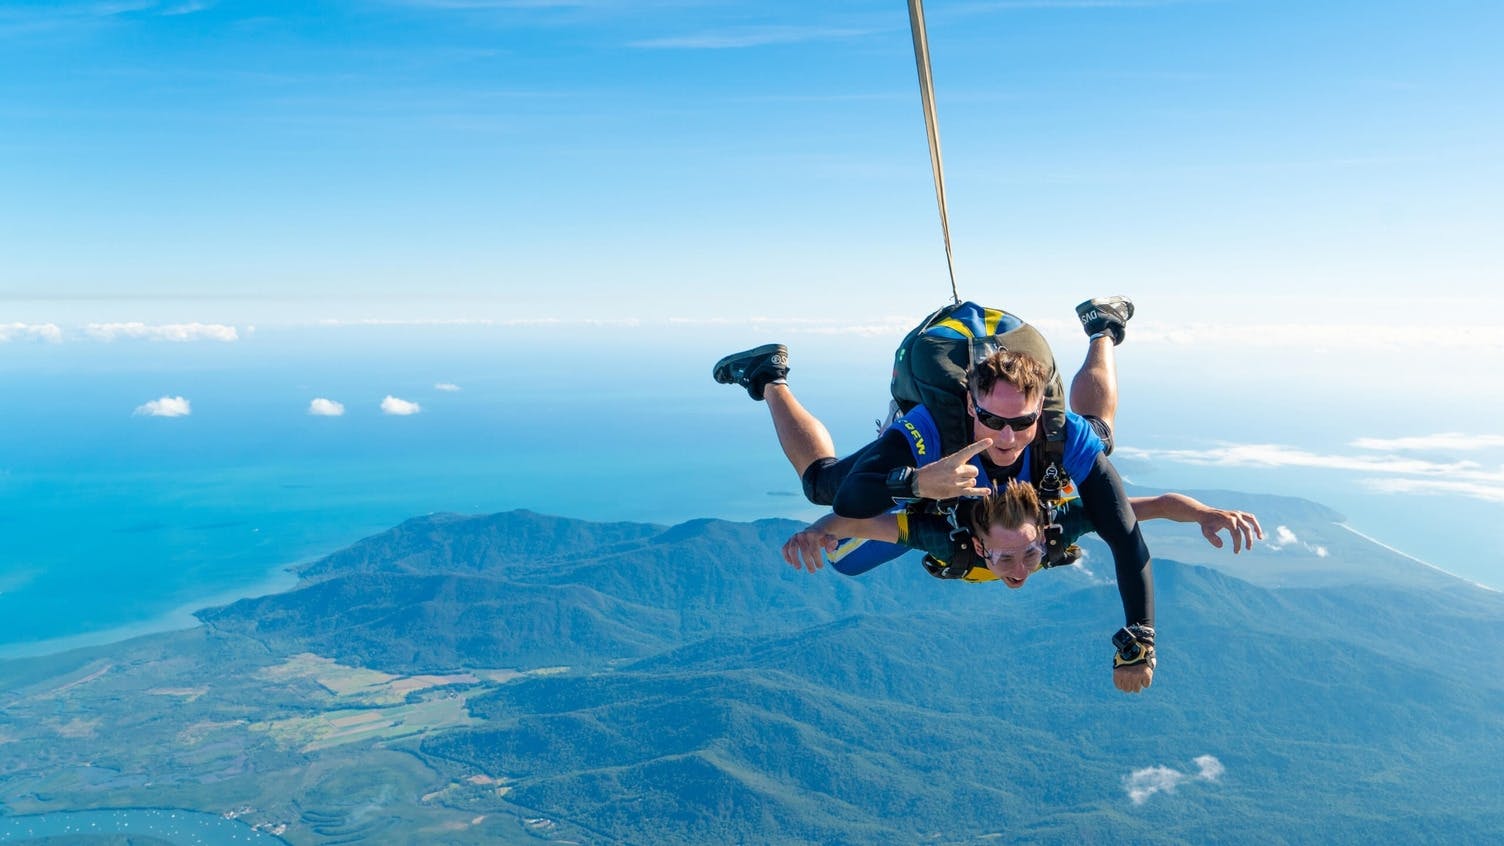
918, 438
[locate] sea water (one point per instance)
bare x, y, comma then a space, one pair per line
113, 523
184, 828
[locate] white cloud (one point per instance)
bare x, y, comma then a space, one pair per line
893, 327
399, 407
164, 407
1008, 5
1466, 478
479, 321
1211, 768
321, 407
446, 386
1087, 572
162, 332
1278, 455
186, 8
416, 321
756, 36
30, 332
490, 5
1312, 336
1439, 487
49, 16
1444, 441
1141, 784
1315, 336
1282, 537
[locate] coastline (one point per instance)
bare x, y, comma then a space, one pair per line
1428, 565
279, 579
179, 825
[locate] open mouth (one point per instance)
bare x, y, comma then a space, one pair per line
1012, 582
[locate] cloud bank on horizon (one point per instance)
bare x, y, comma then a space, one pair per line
1391, 470
1441, 442
179, 332
30, 332
1315, 336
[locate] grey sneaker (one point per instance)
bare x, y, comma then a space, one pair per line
754, 369
1106, 314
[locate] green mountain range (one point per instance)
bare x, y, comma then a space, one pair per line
518, 677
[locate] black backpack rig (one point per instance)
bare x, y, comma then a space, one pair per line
930, 368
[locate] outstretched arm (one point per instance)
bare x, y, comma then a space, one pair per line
805, 547
1241, 526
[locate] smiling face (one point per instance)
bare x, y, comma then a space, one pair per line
1007, 401
1011, 554
1007, 533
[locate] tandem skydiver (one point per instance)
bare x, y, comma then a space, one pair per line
953, 554
1003, 405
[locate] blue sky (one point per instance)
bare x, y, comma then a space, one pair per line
1303, 198
234, 161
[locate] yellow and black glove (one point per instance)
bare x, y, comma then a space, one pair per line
1133, 645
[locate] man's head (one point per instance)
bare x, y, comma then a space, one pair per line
1005, 401
1008, 532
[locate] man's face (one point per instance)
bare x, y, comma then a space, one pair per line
1003, 400
1012, 554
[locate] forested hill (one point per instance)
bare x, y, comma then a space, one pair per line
747, 700
683, 685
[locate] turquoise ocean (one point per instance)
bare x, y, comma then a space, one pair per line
114, 523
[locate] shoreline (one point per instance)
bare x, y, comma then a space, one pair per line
177, 825
275, 580
1428, 565
279, 579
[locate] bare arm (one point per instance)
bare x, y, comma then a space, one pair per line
1241, 526
805, 547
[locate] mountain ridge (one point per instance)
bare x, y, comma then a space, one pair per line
701, 690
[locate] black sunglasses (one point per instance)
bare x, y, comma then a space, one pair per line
998, 422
